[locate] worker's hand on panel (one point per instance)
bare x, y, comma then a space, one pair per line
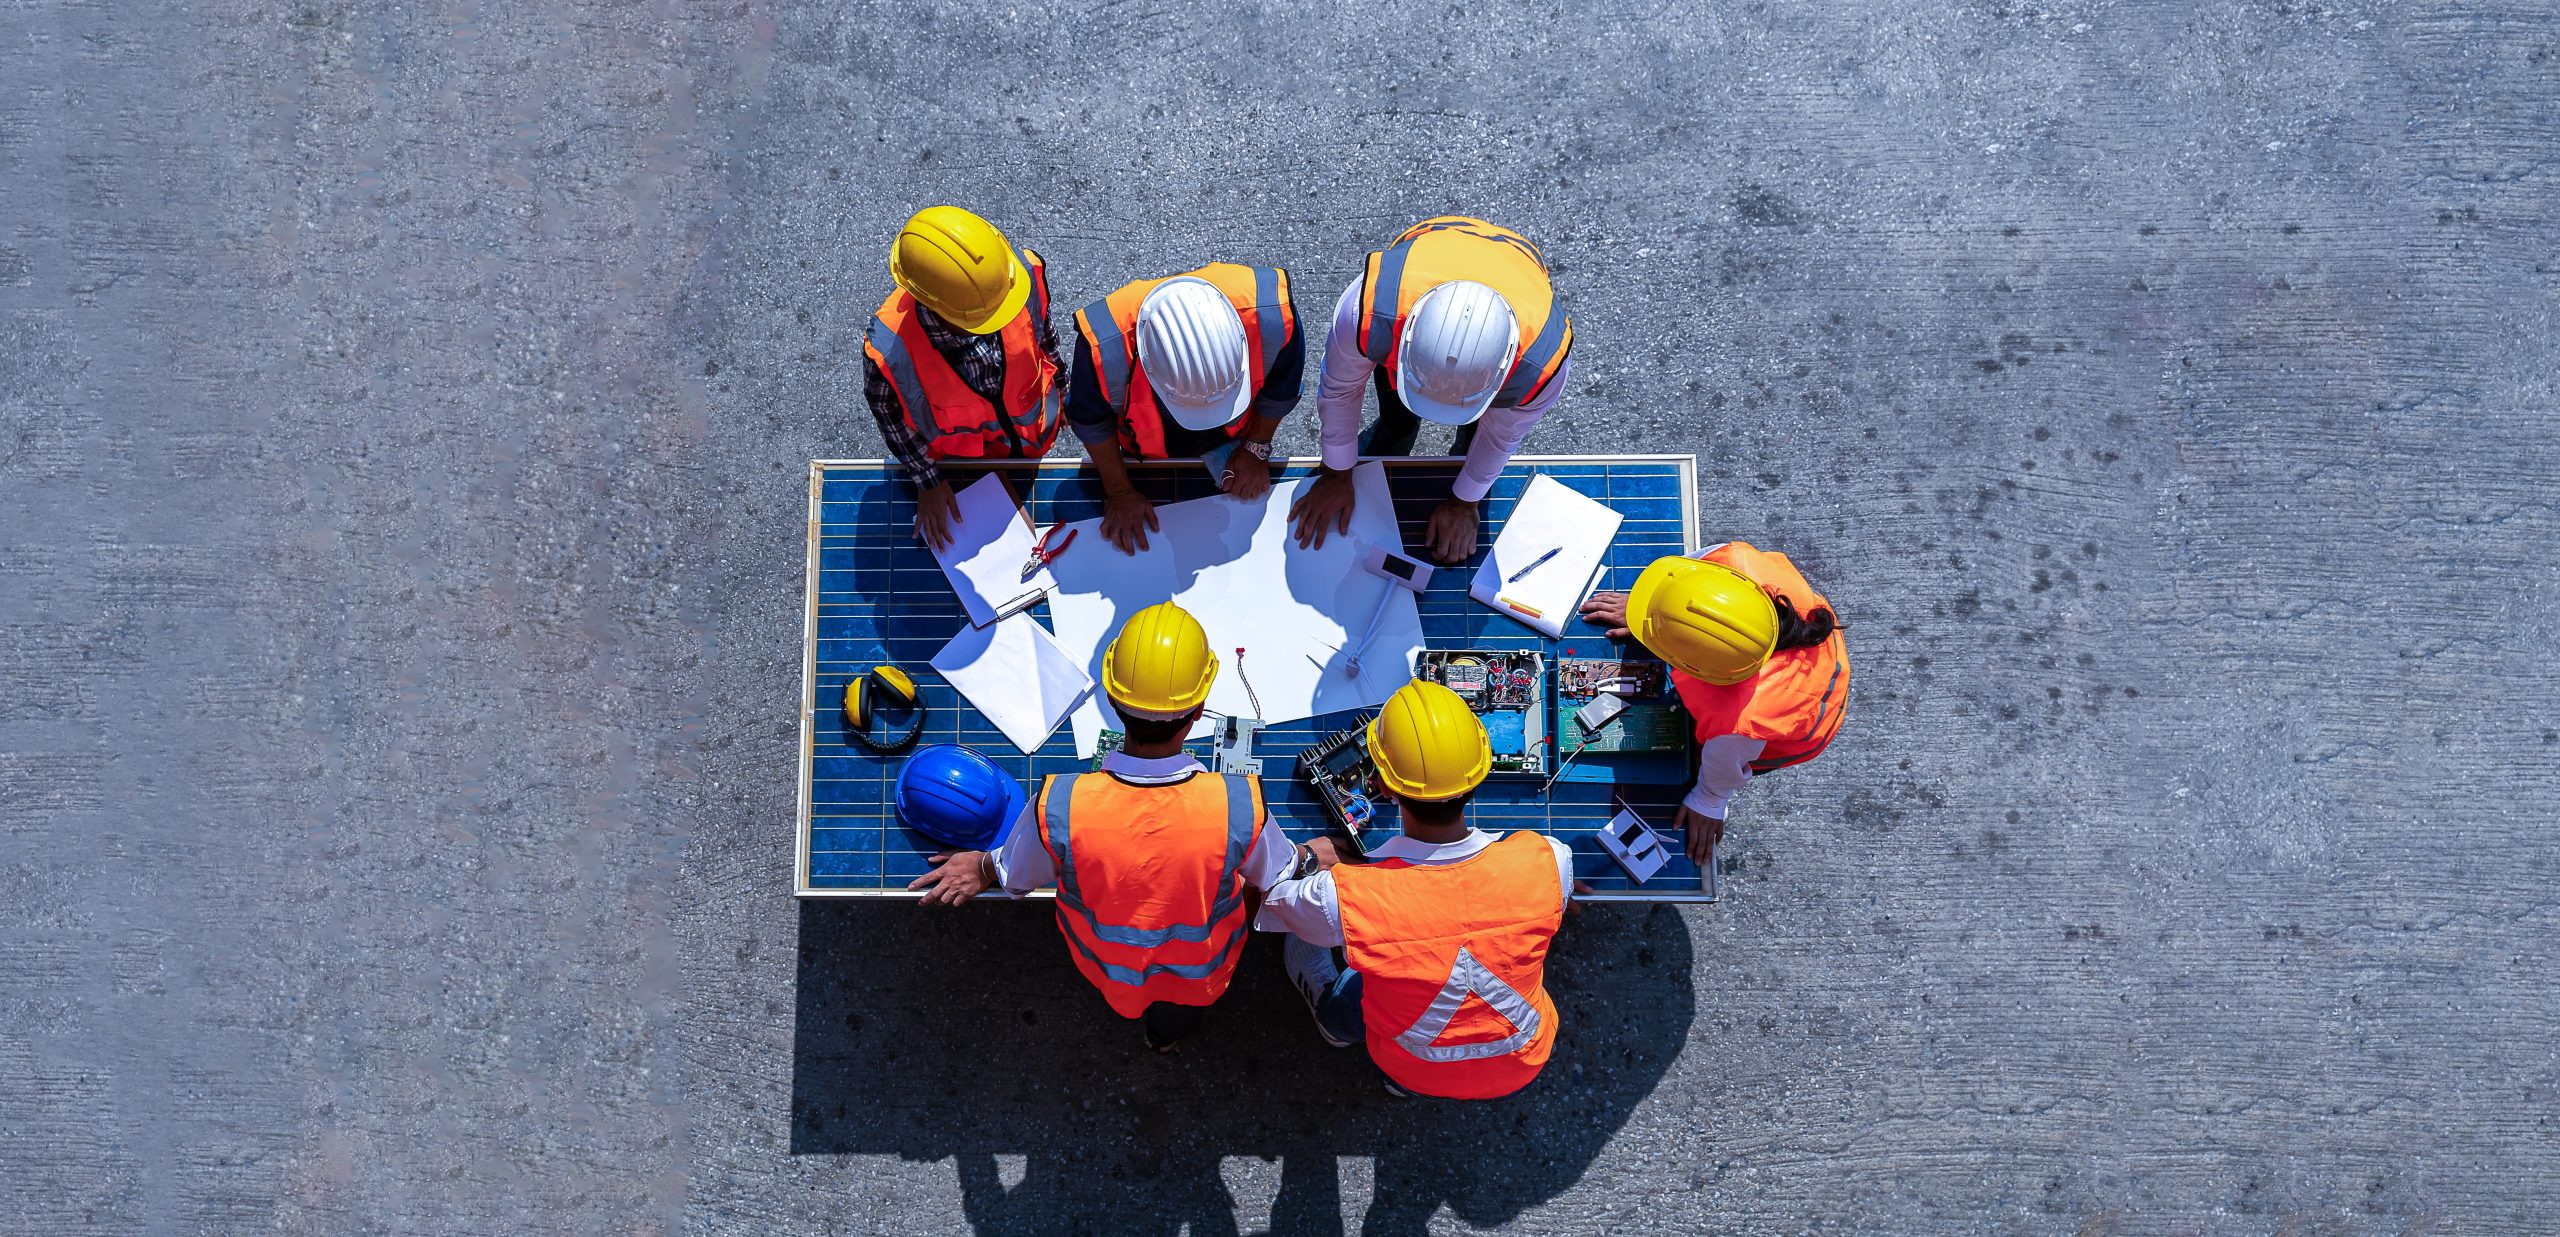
1248, 477
1325, 508
1573, 905
1607, 610
1127, 517
1327, 852
1452, 532
956, 877
934, 509
1704, 832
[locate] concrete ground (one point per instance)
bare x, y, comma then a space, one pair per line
403, 416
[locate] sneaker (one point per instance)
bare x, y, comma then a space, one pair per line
1313, 972
1164, 1026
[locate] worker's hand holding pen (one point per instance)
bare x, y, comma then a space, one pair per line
955, 877
1704, 832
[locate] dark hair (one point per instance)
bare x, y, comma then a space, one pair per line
1150, 732
1796, 632
1445, 812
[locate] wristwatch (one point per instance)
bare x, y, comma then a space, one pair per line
1258, 450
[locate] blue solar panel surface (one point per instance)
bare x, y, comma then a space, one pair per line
877, 597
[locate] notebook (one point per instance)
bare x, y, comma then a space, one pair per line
1555, 541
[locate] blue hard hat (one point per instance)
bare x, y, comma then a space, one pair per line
958, 797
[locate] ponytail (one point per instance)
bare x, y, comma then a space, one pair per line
1796, 632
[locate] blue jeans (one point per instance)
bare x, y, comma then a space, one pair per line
1339, 1011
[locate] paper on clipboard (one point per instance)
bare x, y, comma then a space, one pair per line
990, 540
1550, 516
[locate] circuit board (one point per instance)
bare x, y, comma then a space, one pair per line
1506, 689
1653, 720
1345, 781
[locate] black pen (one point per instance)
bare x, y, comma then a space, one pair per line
1534, 564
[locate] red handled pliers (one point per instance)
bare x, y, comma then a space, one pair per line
1043, 554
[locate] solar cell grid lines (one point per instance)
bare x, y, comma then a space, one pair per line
876, 597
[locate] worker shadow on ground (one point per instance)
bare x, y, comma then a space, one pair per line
966, 1035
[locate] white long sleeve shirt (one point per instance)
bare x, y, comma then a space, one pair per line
1724, 766
1306, 908
1345, 381
1022, 864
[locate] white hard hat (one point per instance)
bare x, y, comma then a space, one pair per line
1457, 347
1191, 348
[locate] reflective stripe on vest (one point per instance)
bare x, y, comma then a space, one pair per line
1384, 303
953, 418
1468, 977
1158, 855
1109, 327
1240, 816
1456, 949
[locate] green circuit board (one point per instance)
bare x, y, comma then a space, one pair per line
1653, 720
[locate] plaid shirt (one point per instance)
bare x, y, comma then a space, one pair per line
978, 359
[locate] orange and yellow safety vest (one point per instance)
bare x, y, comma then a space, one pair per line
1436, 251
1108, 331
1151, 887
1453, 960
954, 420
1795, 703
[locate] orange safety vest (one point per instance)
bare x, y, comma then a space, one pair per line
1435, 251
1794, 704
1109, 331
955, 420
1453, 962
1151, 881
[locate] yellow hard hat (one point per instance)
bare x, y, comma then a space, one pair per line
1704, 618
1159, 666
1428, 744
961, 268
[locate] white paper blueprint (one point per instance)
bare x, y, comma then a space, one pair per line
1235, 567
990, 540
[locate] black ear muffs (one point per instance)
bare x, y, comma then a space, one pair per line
881, 692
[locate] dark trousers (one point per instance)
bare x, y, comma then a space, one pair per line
1167, 1022
1392, 433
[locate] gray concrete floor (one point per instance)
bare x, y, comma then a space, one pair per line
403, 415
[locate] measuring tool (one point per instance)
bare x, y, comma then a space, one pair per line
1399, 572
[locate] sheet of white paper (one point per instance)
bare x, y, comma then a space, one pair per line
1235, 567
990, 540
1017, 674
1097, 589
1550, 516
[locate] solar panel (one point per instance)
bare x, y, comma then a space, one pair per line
875, 596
